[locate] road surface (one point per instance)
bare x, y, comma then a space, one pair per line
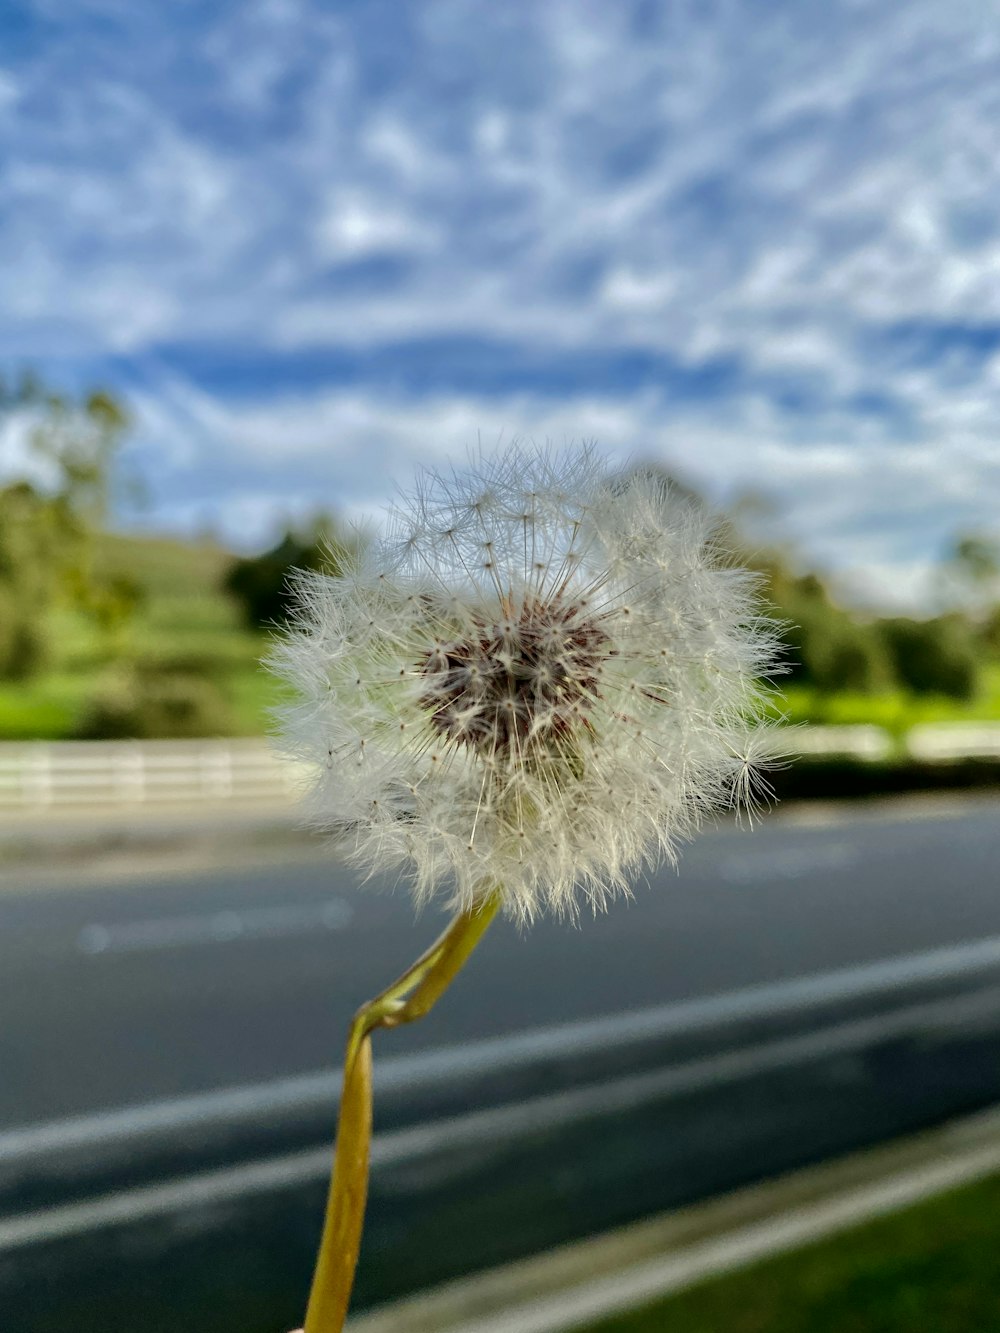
159, 984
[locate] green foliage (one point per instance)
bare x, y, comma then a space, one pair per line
28, 541
897, 709
169, 569
46, 530
969, 574
75, 439
934, 656
186, 626
836, 653
826, 648
989, 634
23, 642
75, 600
261, 584
45, 708
146, 705
60, 705
977, 556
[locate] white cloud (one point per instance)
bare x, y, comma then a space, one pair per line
354, 225
628, 288
842, 505
774, 185
902, 586
836, 150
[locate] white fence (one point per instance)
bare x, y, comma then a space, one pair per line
40, 775
80, 773
934, 742
857, 742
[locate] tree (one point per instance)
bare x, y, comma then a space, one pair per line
934, 656
73, 440
49, 517
29, 545
827, 647
970, 573
261, 584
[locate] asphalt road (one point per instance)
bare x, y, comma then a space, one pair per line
158, 984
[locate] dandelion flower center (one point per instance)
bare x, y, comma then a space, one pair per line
519, 684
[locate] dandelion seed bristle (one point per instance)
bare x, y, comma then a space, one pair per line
541, 677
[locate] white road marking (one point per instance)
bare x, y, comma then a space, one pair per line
788, 862
508, 1053
210, 1187
436, 1141
221, 927
495, 1125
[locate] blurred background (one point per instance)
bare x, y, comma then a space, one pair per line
257, 261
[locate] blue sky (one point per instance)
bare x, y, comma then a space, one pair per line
313, 244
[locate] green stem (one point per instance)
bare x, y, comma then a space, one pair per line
407, 999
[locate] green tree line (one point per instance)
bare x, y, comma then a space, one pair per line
832, 649
157, 676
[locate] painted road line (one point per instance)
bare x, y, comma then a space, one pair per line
139, 1205
498, 1055
788, 862
499, 1126
217, 927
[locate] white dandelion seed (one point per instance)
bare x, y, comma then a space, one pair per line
541, 677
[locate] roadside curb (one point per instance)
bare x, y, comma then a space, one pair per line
108, 840
573, 1285
112, 842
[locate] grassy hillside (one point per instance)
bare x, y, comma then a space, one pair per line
165, 564
185, 622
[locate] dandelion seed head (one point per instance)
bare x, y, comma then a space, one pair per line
539, 678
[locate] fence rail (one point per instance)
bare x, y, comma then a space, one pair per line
80, 773
954, 740
40, 775
855, 742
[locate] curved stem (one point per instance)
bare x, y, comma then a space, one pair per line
409, 997
338, 1255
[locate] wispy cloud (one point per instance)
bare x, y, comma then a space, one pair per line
763, 242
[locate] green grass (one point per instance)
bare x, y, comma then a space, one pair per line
51, 706
43, 709
895, 710
934, 1268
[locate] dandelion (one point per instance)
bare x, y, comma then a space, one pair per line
540, 678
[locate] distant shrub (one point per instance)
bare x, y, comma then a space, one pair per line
989, 634
24, 643
151, 706
202, 663
261, 583
934, 656
858, 661
827, 648
27, 541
